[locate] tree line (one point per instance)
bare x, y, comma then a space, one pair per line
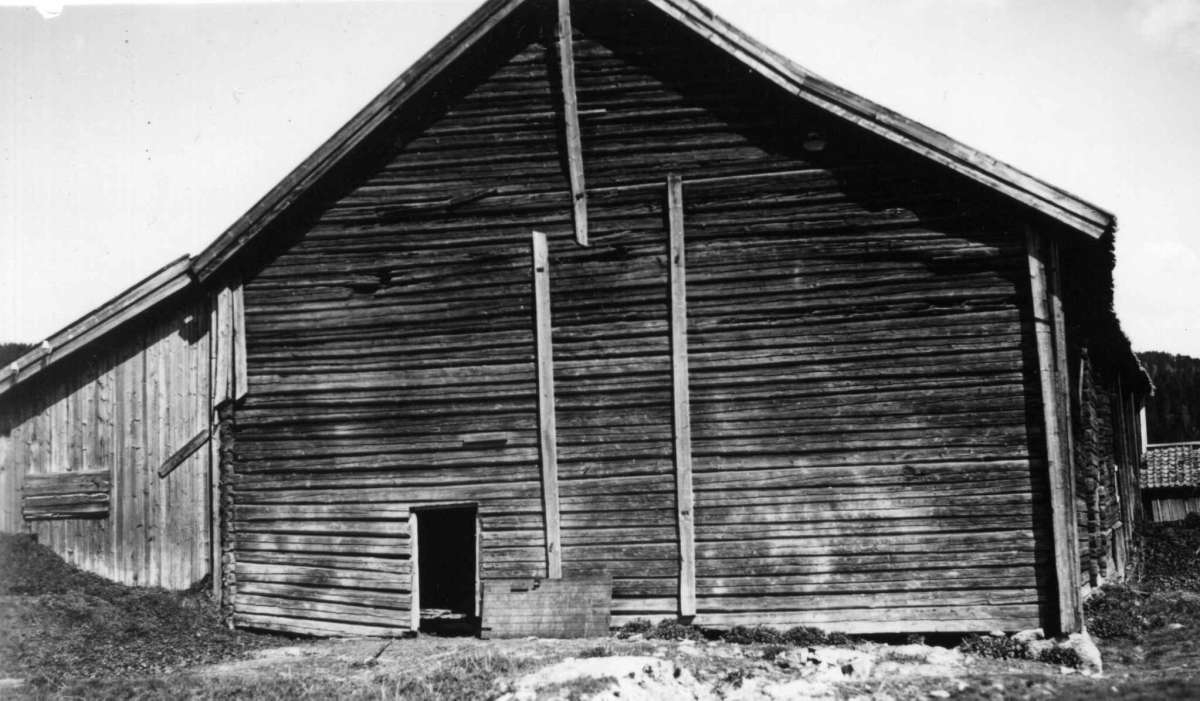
11, 351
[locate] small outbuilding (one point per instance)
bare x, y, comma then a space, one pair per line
1171, 480
607, 292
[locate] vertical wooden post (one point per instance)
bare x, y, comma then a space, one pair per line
214, 456
547, 430
223, 336
238, 310
684, 500
414, 549
1056, 417
574, 142
1062, 370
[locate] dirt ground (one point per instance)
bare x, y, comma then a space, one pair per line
66, 634
1165, 665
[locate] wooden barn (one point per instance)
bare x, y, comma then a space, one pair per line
1171, 480
607, 292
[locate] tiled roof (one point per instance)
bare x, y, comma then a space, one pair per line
1171, 465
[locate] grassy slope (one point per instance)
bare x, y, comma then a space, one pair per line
60, 623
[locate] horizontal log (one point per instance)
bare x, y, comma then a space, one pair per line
308, 626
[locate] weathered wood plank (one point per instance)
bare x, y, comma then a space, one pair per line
1060, 478
213, 458
52, 483
684, 502
547, 430
184, 452
238, 311
570, 104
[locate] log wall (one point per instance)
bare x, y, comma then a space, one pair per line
118, 409
864, 385
1105, 472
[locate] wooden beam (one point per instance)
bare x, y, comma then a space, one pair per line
216, 570
238, 310
223, 337
1062, 504
547, 430
1062, 368
414, 608
176, 459
684, 500
566, 63
1062, 375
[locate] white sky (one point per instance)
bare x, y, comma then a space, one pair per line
132, 134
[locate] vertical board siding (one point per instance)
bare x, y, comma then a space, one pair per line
1173, 508
862, 373
123, 409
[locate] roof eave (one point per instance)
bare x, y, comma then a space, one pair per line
160, 285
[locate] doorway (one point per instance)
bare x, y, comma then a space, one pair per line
448, 570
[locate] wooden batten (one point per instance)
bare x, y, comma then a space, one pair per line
1046, 322
238, 311
223, 337
574, 143
183, 453
216, 566
684, 499
547, 430
1061, 368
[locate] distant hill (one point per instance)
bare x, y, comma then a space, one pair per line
11, 351
1173, 413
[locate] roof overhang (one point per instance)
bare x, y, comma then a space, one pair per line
130, 304
1054, 202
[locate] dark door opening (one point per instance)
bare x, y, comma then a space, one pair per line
447, 570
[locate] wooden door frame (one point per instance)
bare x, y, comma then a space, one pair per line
414, 555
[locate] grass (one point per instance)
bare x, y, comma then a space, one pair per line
471, 675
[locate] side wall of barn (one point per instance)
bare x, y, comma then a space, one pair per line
1105, 387
81, 444
1106, 473
869, 449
